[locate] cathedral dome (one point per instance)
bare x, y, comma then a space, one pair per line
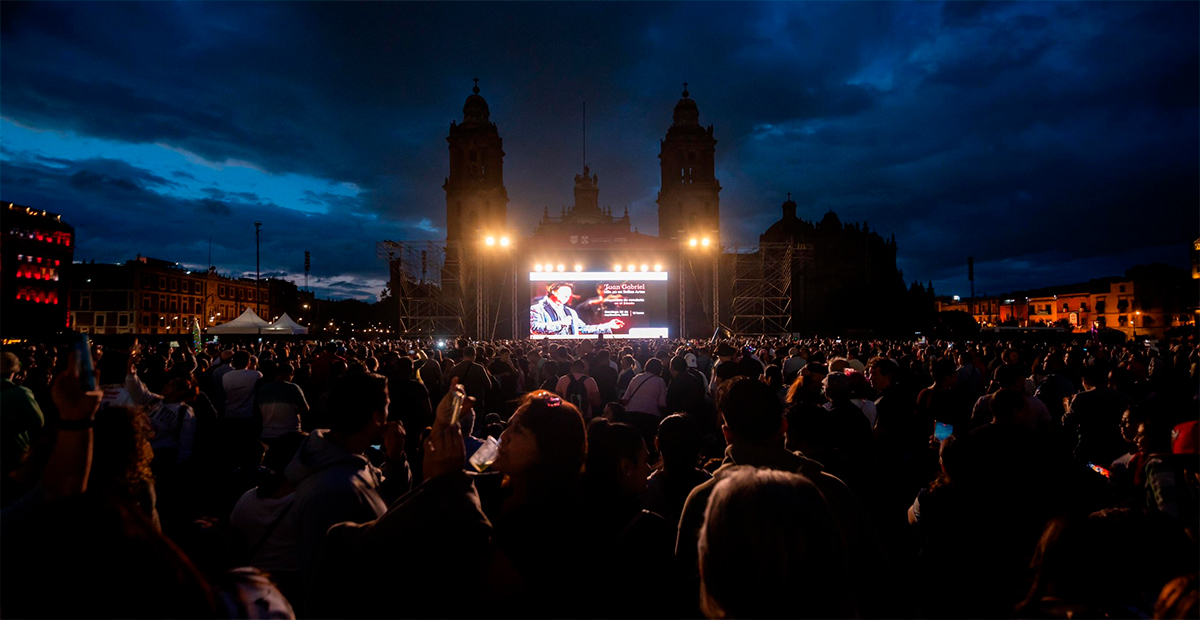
686, 112
475, 109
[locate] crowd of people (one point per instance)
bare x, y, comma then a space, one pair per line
770, 477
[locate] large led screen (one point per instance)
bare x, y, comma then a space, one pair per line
585, 304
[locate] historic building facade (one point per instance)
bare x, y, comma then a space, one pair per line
476, 199
843, 275
842, 272
152, 296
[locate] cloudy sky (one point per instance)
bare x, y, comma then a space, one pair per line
1052, 141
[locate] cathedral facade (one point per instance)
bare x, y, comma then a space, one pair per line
833, 263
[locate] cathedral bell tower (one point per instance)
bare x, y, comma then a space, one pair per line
687, 200
476, 200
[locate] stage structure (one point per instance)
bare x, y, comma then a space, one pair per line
762, 290
424, 280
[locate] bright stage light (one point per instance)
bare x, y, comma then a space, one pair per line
617, 268
693, 242
629, 267
562, 268
658, 267
490, 240
537, 267
504, 241
705, 242
645, 267
578, 268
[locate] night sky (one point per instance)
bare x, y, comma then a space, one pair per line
1054, 142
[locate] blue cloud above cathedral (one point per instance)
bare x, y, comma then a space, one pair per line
1014, 121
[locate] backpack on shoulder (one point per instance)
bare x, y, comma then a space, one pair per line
577, 394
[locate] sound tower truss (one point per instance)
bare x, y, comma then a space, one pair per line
426, 281
762, 290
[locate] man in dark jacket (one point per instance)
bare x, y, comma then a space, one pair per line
474, 378
685, 394
334, 480
754, 427
1093, 419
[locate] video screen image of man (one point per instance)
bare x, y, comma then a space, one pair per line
553, 315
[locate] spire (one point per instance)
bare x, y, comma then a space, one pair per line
686, 113
475, 109
789, 208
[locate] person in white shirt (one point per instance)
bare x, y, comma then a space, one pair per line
238, 385
172, 420
647, 392
280, 404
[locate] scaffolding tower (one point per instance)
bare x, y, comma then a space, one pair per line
762, 290
425, 282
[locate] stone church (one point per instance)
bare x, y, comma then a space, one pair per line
836, 265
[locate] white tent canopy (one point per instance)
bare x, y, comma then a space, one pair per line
285, 325
247, 323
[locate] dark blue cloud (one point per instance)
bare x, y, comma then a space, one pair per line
1056, 141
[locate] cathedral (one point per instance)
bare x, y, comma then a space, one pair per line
840, 271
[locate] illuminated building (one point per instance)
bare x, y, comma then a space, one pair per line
1148, 301
36, 249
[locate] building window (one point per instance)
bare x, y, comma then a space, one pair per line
1083, 306
174, 305
1100, 305
1066, 307
162, 283
99, 320
1122, 320
145, 302
1121, 288
222, 290
122, 320
145, 320
1122, 305
162, 304
174, 284
145, 282
85, 301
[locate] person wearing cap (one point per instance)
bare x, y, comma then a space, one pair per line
19, 415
